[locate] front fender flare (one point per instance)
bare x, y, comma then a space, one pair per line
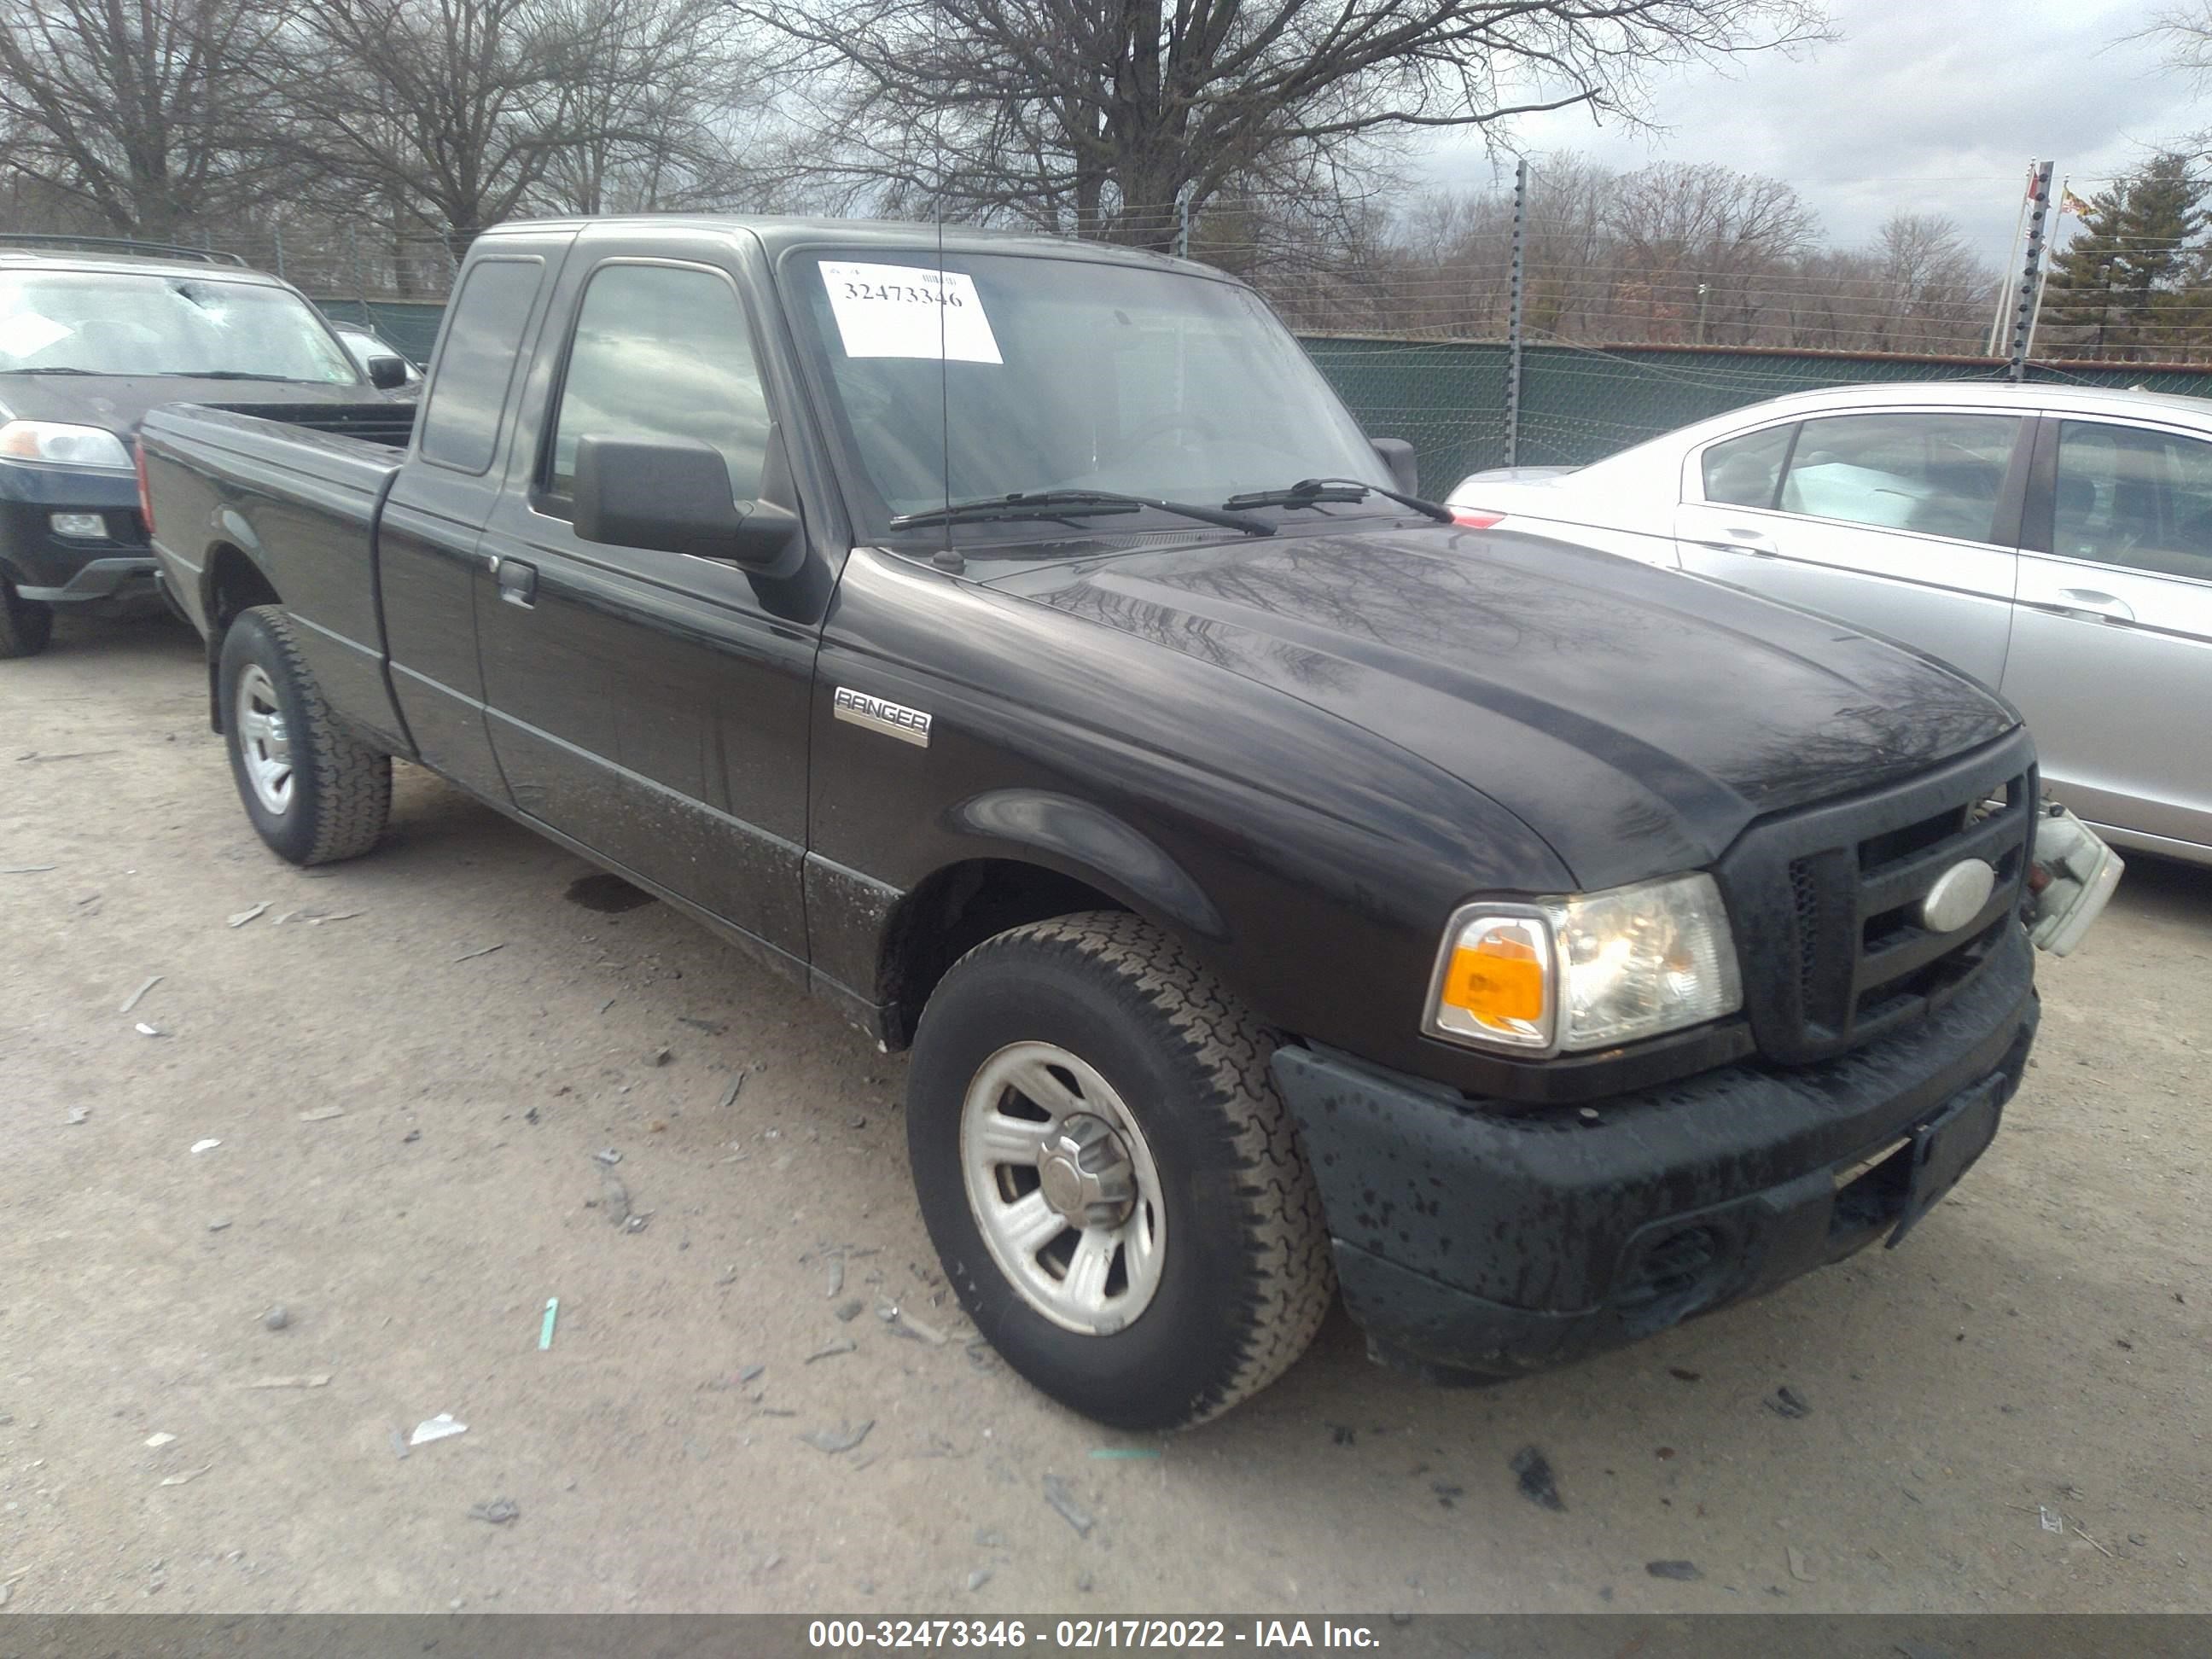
1083, 840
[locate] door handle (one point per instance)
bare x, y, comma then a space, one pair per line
1737, 539
518, 582
2090, 604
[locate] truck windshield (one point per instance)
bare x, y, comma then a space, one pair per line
84, 322
1059, 374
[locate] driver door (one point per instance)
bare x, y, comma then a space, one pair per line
650, 706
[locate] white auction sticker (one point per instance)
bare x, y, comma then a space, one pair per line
904, 311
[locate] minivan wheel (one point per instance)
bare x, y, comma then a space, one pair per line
316, 793
26, 626
1110, 1176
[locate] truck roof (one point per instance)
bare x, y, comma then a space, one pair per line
777, 232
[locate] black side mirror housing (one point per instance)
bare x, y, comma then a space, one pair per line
387, 374
672, 496
1398, 455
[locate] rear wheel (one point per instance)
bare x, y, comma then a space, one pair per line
1110, 1176
26, 626
316, 793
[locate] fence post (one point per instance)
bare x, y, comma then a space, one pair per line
1515, 306
2024, 304
276, 235
1182, 225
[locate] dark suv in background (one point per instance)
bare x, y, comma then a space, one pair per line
93, 334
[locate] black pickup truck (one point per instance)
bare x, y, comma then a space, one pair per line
1281, 886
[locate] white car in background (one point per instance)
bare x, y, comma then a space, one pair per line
2054, 541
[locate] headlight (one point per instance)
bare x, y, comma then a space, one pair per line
64, 445
1590, 971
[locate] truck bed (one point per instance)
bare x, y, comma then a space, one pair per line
297, 488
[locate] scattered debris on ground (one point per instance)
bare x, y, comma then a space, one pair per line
303, 1380
500, 1511
436, 1428
843, 1438
472, 955
276, 1318
1786, 1401
842, 1344
1684, 1571
1538, 1484
139, 995
244, 916
322, 1115
1057, 1494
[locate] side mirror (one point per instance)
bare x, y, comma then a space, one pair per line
387, 374
672, 496
1398, 455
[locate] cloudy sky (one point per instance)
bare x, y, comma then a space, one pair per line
1932, 105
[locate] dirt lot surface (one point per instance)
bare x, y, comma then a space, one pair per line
393, 1135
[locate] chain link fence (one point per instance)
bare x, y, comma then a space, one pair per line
1580, 403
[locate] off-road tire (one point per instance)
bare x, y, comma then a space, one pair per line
1246, 1277
26, 626
341, 787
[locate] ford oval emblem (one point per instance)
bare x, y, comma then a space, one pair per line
1958, 896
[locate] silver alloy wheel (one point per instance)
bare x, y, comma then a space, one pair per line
1063, 1187
263, 740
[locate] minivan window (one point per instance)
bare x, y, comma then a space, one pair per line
2133, 497
662, 351
89, 322
483, 336
1938, 474
1746, 471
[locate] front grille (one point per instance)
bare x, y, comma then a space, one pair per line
1826, 903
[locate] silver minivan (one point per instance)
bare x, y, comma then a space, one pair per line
2055, 542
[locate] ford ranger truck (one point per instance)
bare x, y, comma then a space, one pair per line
1282, 888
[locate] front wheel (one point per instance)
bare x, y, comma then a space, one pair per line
26, 626
316, 793
1111, 1177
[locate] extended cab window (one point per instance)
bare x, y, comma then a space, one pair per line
1934, 473
2135, 498
1746, 471
661, 351
460, 422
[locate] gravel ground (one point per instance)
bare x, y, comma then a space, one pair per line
349, 1110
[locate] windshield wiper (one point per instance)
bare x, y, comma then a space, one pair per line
1307, 491
221, 375
50, 370
1072, 504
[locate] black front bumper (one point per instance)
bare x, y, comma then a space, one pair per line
118, 565
1471, 1240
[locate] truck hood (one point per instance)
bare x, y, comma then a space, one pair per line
119, 402
1637, 719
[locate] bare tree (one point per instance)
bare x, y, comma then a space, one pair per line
447, 111
658, 119
1100, 115
1695, 239
140, 113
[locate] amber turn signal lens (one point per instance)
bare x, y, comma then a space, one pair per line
1497, 979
